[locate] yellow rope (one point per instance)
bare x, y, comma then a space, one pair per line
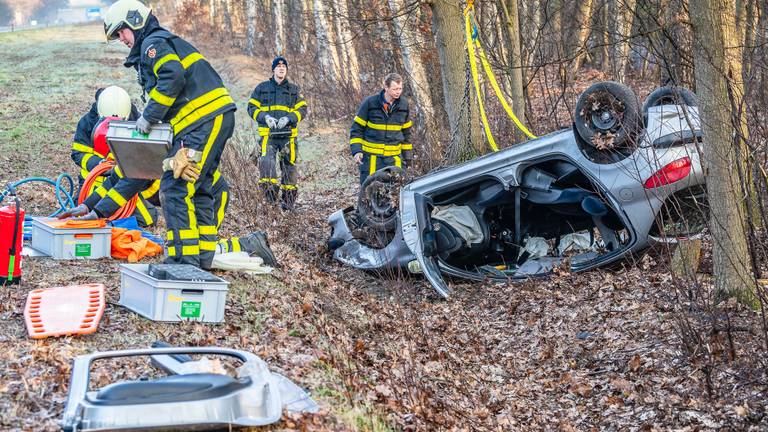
476, 80
499, 94
471, 45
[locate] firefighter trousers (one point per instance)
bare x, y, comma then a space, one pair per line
287, 151
189, 208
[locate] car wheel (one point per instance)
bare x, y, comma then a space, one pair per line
670, 95
378, 202
607, 116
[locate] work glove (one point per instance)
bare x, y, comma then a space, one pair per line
358, 158
283, 122
91, 215
184, 164
143, 125
80, 210
270, 121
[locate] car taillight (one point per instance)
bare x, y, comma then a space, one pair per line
670, 173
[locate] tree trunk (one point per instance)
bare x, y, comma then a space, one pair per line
250, 6
466, 138
348, 53
326, 54
578, 42
278, 12
677, 44
713, 26
227, 17
624, 17
512, 22
414, 66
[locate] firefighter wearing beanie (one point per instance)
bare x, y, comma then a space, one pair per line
278, 107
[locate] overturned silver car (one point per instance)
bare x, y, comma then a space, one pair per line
621, 178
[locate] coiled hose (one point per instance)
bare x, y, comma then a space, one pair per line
64, 195
124, 211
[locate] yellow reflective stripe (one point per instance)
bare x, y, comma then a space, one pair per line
360, 121
163, 60
144, 212
385, 127
298, 116
185, 250
407, 124
101, 191
264, 145
211, 138
216, 176
207, 230
116, 197
191, 209
372, 167
118, 171
269, 180
200, 107
292, 146
76, 146
84, 161
236, 244
190, 59
276, 108
264, 131
288, 187
405, 146
220, 212
207, 245
161, 98
378, 148
254, 102
187, 234
198, 102
397, 162
300, 104
151, 190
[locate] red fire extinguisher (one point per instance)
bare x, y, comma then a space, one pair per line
11, 236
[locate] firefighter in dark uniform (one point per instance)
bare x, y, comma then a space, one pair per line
115, 102
381, 132
90, 148
278, 107
185, 91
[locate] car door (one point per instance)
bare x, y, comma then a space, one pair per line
420, 238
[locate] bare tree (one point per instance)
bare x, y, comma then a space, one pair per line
511, 19
466, 133
713, 27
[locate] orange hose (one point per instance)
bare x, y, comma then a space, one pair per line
124, 211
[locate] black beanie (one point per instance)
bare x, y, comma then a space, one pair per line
277, 61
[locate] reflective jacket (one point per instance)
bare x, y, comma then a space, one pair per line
83, 153
382, 129
183, 88
277, 100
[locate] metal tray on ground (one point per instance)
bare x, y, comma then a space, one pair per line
139, 156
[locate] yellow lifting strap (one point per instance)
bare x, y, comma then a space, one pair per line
473, 43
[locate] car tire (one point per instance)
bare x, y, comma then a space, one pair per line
670, 95
607, 116
378, 201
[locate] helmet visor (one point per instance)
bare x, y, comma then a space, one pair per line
112, 30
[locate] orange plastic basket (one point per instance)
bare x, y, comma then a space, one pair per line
61, 311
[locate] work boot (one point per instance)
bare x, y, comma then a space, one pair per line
256, 244
288, 199
270, 191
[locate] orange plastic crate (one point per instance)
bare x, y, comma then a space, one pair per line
61, 311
